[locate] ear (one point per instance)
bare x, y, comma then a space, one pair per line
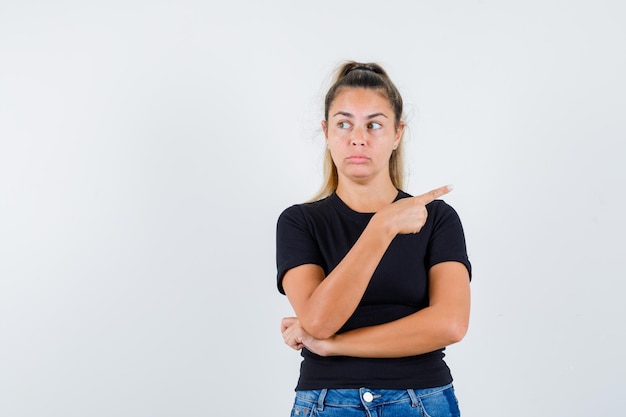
325, 129
399, 133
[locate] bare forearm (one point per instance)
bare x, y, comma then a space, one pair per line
422, 332
441, 324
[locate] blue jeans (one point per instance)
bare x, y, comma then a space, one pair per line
365, 402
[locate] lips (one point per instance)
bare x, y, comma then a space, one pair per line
357, 159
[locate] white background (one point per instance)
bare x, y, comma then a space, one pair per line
147, 148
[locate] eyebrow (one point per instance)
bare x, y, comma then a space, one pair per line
371, 116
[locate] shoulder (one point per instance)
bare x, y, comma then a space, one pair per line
440, 206
442, 213
301, 212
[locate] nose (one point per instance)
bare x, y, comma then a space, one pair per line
357, 138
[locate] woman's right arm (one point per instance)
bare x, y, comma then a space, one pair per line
323, 304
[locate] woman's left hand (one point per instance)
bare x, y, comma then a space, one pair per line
296, 337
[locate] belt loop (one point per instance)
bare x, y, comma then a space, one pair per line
413, 396
320, 399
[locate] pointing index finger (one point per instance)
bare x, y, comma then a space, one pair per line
434, 194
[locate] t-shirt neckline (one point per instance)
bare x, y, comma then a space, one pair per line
343, 207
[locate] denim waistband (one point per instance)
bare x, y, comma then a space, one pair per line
365, 397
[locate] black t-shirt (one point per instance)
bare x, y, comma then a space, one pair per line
322, 233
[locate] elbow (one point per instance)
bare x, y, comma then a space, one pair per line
322, 334
319, 329
456, 331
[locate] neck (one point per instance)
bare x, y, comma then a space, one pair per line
367, 198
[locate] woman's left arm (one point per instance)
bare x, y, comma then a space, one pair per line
442, 323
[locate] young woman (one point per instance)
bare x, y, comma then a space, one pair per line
378, 279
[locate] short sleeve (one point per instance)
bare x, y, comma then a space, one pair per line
295, 243
447, 241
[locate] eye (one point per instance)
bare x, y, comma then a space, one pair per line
343, 125
374, 125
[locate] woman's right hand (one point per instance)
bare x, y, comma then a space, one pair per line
408, 215
297, 338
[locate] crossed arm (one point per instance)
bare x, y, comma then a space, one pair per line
323, 304
442, 323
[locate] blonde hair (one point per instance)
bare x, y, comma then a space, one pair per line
371, 76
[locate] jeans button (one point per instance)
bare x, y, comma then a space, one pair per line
368, 397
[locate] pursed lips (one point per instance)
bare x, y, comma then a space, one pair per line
357, 159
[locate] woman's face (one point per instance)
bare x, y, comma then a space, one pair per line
361, 133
